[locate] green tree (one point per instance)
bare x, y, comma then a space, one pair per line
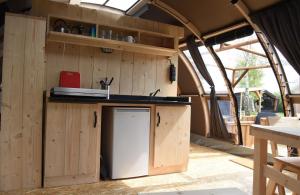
254, 77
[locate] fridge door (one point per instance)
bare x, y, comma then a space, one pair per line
130, 149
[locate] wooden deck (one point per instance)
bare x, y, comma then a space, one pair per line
208, 169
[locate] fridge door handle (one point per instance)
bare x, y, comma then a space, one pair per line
95, 119
158, 119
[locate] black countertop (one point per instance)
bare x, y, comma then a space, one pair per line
126, 99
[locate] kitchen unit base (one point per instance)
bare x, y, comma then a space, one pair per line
66, 149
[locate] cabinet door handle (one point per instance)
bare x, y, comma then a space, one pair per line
95, 119
158, 119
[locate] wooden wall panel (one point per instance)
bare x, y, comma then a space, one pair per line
134, 74
22, 102
162, 76
54, 58
139, 71
113, 70
100, 67
126, 74
150, 74
71, 57
11, 109
86, 61
33, 87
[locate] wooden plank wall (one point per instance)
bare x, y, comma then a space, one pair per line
134, 74
22, 102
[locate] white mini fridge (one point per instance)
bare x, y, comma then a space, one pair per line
125, 141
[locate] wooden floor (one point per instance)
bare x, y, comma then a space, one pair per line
208, 169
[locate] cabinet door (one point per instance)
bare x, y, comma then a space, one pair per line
72, 144
171, 137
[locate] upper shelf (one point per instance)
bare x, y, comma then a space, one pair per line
106, 43
103, 36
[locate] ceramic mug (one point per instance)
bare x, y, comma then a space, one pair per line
130, 39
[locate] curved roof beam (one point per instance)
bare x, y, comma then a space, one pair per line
188, 24
273, 59
200, 89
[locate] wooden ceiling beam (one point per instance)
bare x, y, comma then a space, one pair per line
187, 23
248, 50
238, 45
248, 68
240, 78
225, 30
251, 51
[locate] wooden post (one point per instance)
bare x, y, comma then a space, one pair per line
233, 78
260, 159
260, 100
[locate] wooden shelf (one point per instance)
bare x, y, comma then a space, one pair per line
107, 43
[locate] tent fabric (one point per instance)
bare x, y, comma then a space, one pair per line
281, 24
217, 124
212, 15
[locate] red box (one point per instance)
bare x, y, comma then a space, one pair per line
69, 79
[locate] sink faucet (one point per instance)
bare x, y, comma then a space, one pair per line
105, 85
154, 93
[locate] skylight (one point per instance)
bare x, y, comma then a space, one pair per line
123, 5
98, 2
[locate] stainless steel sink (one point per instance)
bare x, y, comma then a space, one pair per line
79, 92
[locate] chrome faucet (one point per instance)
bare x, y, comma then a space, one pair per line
154, 93
105, 85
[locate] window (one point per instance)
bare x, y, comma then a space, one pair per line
122, 5
213, 70
263, 78
292, 76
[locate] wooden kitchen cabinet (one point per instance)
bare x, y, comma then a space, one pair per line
72, 144
171, 139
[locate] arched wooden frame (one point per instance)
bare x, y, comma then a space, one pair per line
166, 8
273, 59
199, 87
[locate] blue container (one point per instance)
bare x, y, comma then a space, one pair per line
93, 31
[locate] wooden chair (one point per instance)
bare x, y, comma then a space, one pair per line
281, 163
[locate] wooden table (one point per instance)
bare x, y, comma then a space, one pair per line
281, 135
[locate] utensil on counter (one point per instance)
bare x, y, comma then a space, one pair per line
105, 85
